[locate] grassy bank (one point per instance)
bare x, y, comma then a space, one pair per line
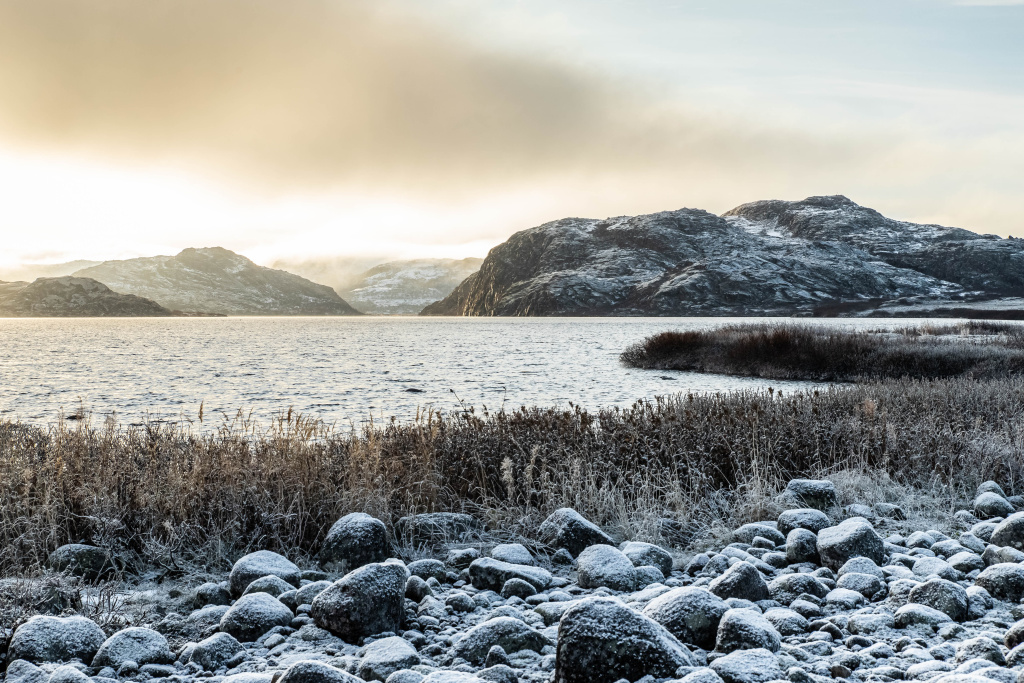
169, 496
978, 350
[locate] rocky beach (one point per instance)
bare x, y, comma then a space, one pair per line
820, 593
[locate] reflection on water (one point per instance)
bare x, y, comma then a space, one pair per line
340, 369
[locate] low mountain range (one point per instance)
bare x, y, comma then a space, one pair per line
405, 287
72, 297
822, 255
215, 280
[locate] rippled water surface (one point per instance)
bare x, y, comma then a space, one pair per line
339, 369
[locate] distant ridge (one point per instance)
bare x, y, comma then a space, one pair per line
72, 297
823, 255
405, 287
217, 280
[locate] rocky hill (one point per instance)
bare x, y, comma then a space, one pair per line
975, 261
839, 257
405, 287
72, 297
219, 281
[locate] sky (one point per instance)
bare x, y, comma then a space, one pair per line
379, 129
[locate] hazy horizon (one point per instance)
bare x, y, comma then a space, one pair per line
322, 130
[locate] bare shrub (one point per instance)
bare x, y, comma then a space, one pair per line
166, 496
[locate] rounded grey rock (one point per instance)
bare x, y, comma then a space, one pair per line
513, 553
600, 640
803, 518
802, 546
742, 581
945, 596
271, 585
511, 634
366, 601
854, 537
383, 657
648, 554
819, 494
746, 629
1004, 581
748, 666
309, 671
140, 645
690, 614
259, 564
568, 529
605, 566
86, 561
253, 615
56, 639
988, 505
216, 651
353, 541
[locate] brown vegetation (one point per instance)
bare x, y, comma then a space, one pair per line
167, 495
827, 353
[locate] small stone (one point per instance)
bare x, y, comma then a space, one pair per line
988, 505
511, 634
1003, 581
490, 574
801, 547
253, 615
819, 494
748, 666
425, 569
690, 614
86, 561
383, 657
259, 564
513, 553
744, 629
803, 518
742, 581
914, 615
566, 528
603, 565
1010, 532
854, 537
216, 651
980, 648
648, 554
309, 671
271, 585
945, 596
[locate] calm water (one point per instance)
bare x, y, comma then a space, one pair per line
341, 369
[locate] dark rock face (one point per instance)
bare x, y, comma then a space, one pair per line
216, 280
974, 261
600, 640
69, 297
690, 262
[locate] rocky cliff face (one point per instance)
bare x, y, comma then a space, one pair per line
405, 287
977, 262
72, 297
685, 262
216, 280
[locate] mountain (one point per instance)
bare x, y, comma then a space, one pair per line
748, 262
219, 281
405, 287
986, 263
32, 271
72, 297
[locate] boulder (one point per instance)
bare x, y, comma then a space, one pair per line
1010, 532
364, 602
600, 640
568, 529
748, 666
990, 487
355, 540
140, 645
788, 587
427, 568
926, 567
980, 648
416, 589
786, 621
517, 588
383, 657
437, 528
855, 537
819, 494
490, 574
1004, 581
803, 518
988, 505
861, 565
259, 564
966, 562
690, 614
742, 581
603, 565
56, 639
748, 532
512, 553
216, 651
945, 596
746, 629
1014, 635
21, 671
310, 671
86, 561
308, 593
913, 614
648, 554
866, 584
801, 547
271, 585
253, 615
211, 594
511, 634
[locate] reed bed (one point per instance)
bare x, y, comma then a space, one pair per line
171, 495
976, 349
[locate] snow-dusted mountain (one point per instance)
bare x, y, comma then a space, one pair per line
405, 287
72, 297
839, 257
216, 280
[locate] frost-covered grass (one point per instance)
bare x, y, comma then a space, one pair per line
809, 352
166, 496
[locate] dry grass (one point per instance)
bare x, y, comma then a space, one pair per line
805, 352
173, 498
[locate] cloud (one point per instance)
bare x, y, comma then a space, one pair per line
331, 91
